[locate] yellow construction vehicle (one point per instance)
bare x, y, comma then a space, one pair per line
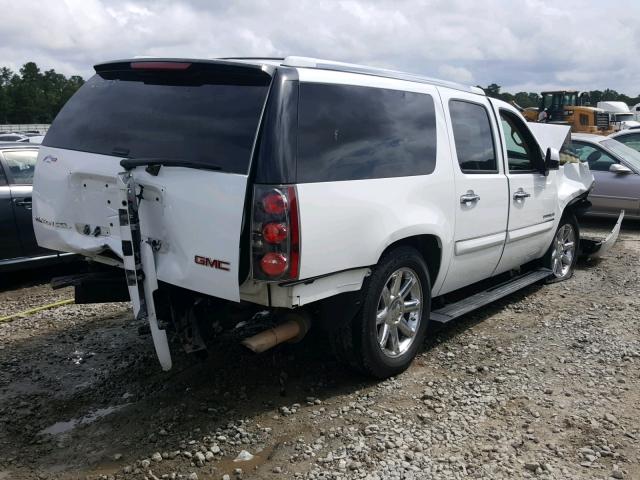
570, 107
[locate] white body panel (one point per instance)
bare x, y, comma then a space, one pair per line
550, 135
370, 215
532, 220
614, 107
191, 212
478, 244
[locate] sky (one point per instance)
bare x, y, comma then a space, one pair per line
522, 45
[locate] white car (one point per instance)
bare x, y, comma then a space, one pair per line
349, 197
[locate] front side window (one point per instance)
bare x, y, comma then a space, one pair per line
523, 151
473, 137
598, 159
21, 165
349, 132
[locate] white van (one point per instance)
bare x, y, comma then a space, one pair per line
351, 197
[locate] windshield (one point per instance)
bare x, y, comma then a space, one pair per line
628, 154
620, 117
201, 114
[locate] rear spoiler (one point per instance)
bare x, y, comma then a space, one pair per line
181, 64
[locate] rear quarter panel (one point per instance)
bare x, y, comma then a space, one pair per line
349, 224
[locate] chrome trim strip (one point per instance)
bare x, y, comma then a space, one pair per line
530, 231
479, 243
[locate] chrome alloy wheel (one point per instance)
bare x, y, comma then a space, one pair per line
399, 312
564, 251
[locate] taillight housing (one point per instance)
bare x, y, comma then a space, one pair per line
275, 233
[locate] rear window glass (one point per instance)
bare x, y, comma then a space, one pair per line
185, 115
348, 132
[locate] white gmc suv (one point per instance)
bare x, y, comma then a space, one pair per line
337, 195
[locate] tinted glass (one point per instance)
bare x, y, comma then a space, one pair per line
598, 159
3, 179
523, 151
473, 137
348, 132
632, 140
21, 165
178, 115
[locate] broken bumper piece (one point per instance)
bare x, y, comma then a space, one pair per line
596, 247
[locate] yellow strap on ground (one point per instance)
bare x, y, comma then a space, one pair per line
37, 309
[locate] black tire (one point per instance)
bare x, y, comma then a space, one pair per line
356, 342
568, 219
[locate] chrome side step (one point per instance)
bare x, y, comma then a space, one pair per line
457, 309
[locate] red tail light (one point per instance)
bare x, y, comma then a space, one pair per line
274, 264
275, 245
160, 65
275, 232
274, 203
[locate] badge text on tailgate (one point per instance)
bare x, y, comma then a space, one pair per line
213, 263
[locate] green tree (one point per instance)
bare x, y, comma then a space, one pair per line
32, 96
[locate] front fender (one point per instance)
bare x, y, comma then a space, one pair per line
575, 181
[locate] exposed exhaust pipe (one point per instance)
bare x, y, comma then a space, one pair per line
292, 330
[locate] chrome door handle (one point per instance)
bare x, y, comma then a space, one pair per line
469, 198
521, 195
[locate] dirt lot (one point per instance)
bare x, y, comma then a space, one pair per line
544, 384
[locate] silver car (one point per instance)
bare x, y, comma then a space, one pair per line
616, 169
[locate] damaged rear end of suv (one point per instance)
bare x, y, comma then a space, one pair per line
148, 168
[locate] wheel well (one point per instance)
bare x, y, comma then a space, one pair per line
429, 247
578, 205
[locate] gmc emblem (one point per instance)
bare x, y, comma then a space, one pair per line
209, 262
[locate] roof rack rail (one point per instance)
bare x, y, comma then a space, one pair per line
250, 58
307, 62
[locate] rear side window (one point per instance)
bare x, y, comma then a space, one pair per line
348, 132
21, 165
631, 140
473, 137
197, 114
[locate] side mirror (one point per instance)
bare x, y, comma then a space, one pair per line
619, 169
551, 160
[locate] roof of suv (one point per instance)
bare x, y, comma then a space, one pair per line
309, 62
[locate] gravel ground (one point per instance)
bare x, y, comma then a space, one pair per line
544, 384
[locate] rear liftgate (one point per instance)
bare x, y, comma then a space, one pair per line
140, 268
